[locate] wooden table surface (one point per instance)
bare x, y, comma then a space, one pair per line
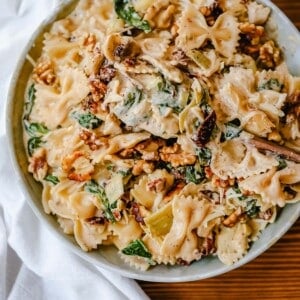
273, 275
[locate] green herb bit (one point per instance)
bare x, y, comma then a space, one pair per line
166, 86
232, 130
94, 188
33, 143
127, 12
35, 129
30, 102
204, 155
137, 248
51, 178
87, 120
281, 163
133, 97
271, 84
251, 209
194, 175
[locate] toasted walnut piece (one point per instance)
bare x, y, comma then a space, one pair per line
44, 73
127, 153
223, 183
174, 191
38, 164
90, 41
233, 218
88, 103
98, 88
149, 149
91, 139
170, 149
174, 155
269, 55
180, 159
252, 29
142, 166
157, 185
77, 166
211, 13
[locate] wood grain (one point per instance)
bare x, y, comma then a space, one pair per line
273, 275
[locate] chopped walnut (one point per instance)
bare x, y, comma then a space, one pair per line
170, 149
157, 185
149, 149
269, 55
88, 103
98, 88
38, 164
44, 73
77, 166
175, 156
174, 191
251, 38
91, 140
180, 159
90, 41
253, 32
211, 13
235, 217
142, 166
223, 183
128, 153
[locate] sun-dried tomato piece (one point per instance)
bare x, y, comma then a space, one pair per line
205, 130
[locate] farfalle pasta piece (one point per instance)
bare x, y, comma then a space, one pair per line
124, 232
89, 236
193, 30
270, 185
234, 159
73, 89
169, 72
124, 141
155, 44
160, 14
60, 203
257, 13
67, 225
225, 34
232, 243
188, 214
61, 51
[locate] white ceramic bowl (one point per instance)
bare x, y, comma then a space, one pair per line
107, 257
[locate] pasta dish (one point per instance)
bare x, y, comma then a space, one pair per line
169, 129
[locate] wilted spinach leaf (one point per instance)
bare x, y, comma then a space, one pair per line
87, 120
127, 12
137, 248
33, 143
94, 188
51, 178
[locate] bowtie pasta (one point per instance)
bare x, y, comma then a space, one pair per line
169, 129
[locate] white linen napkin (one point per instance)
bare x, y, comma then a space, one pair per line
33, 265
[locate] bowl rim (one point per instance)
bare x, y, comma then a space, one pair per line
130, 273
